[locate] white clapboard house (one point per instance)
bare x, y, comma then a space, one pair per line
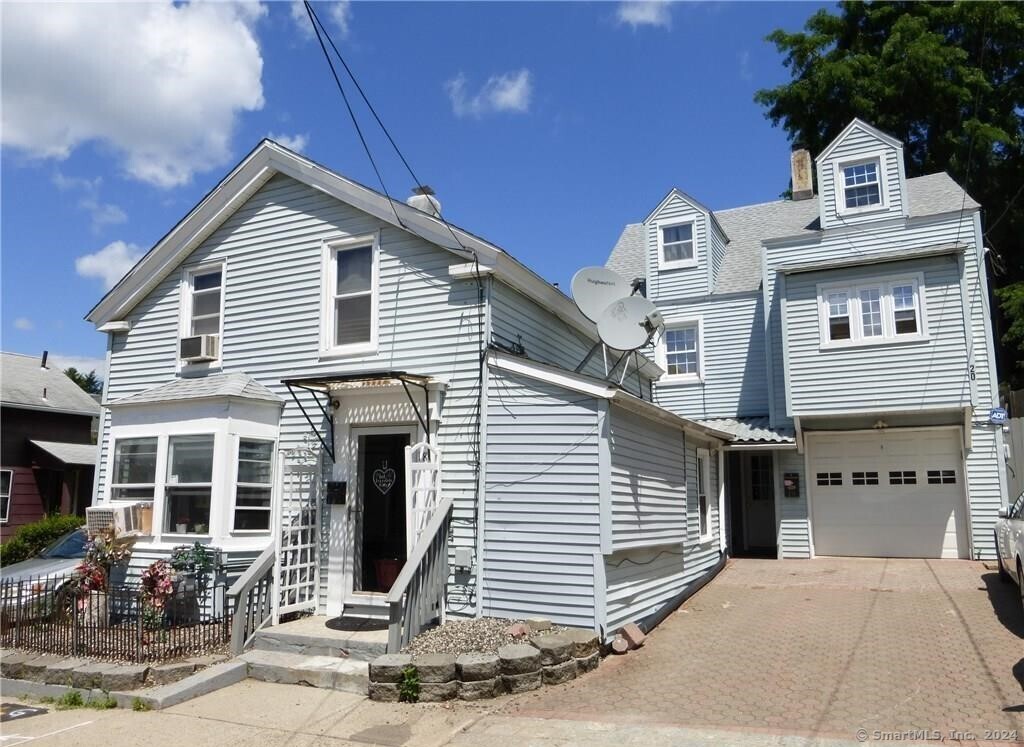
844, 338
373, 414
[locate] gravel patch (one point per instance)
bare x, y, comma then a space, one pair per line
483, 634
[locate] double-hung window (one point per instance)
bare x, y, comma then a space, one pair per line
679, 352
134, 474
862, 186
350, 295
677, 245
206, 302
6, 483
189, 484
253, 485
881, 311
703, 484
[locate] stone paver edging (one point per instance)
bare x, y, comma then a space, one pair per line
515, 668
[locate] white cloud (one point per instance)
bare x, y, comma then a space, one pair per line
160, 83
339, 14
81, 363
24, 324
297, 142
103, 213
638, 13
110, 263
508, 92
744, 60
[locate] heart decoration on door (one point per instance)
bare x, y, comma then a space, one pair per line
384, 478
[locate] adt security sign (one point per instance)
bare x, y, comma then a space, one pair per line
997, 415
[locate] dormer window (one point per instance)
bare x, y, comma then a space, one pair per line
861, 185
676, 245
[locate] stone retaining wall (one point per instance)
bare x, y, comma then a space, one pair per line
517, 667
53, 669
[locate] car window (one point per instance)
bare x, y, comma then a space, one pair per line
71, 545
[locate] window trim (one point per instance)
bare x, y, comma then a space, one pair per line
703, 470
676, 264
185, 313
853, 290
6, 517
166, 483
330, 248
839, 181
661, 352
237, 439
112, 486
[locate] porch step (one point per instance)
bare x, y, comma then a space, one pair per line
353, 638
325, 672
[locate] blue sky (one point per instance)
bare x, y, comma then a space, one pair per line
543, 127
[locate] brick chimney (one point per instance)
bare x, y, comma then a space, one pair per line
803, 183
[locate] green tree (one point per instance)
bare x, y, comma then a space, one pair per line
90, 382
945, 78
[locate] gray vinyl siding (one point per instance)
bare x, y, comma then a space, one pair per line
641, 581
985, 489
734, 383
863, 244
687, 281
716, 243
648, 481
794, 521
904, 375
859, 144
542, 523
272, 250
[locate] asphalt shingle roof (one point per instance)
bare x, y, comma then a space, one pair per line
206, 387
748, 226
23, 381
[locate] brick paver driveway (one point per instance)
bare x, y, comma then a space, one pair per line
822, 647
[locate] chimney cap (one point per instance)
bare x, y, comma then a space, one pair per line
423, 189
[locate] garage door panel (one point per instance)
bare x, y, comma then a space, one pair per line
905, 514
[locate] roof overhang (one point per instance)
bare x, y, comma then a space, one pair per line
897, 255
269, 159
599, 390
693, 202
66, 453
45, 408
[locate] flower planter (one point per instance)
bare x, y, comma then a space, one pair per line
95, 610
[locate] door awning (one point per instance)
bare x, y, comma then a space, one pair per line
75, 454
325, 384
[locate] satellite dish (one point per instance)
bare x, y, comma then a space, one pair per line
628, 323
594, 289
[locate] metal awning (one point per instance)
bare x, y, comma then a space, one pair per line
318, 385
84, 454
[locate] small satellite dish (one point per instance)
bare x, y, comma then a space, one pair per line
594, 289
628, 323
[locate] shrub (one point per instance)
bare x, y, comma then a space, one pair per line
30, 539
138, 704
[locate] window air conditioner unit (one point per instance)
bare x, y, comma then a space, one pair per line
199, 348
125, 519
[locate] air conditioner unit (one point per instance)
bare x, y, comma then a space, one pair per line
126, 519
199, 348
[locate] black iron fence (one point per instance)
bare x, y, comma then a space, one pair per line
47, 614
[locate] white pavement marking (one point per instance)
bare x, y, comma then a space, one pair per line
43, 736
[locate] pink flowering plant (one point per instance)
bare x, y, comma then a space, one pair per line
103, 551
157, 588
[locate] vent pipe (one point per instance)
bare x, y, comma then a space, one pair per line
423, 198
46, 354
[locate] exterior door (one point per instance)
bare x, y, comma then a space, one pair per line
894, 493
758, 501
379, 511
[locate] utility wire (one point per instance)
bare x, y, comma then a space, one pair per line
317, 26
373, 111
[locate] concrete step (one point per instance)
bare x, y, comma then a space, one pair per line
361, 640
325, 672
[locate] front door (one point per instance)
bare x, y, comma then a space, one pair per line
758, 503
380, 512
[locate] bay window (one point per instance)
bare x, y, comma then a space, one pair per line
253, 485
134, 474
882, 311
189, 484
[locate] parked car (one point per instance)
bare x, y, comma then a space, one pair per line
57, 561
1010, 544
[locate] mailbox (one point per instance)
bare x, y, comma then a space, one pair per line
336, 492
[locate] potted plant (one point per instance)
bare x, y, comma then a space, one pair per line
157, 588
193, 565
90, 580
182, 526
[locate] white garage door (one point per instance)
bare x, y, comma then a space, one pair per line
893, 494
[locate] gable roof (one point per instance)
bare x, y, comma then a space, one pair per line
23, 381
858, 124
216, 386
748, 226
693, 201
256, 169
